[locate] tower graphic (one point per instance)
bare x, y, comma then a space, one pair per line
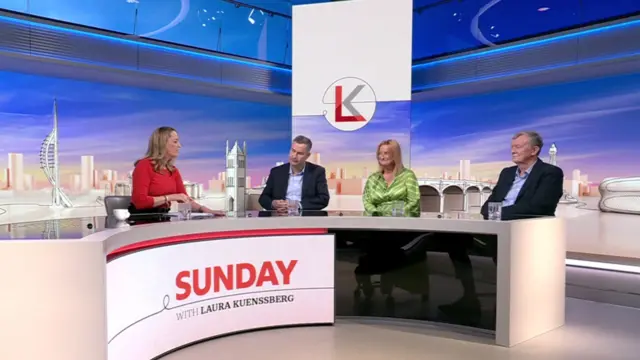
553, 151
553, 160
236, 180
49, 163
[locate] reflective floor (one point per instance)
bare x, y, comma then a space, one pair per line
593, 331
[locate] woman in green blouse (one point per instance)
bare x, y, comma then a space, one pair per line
391, 184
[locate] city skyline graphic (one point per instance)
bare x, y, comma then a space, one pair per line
109, 126
463, 141
592, 122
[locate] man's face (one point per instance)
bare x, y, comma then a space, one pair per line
522, 151
298, 154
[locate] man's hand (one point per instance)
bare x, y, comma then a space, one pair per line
279, 205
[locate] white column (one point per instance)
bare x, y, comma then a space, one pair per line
531, 275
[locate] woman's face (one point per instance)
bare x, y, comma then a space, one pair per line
173, 145
385, 157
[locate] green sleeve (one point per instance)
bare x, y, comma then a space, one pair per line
412, 205
369, 208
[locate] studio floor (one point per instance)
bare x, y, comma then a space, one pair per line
593, 331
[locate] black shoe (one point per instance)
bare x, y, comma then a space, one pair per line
465, 311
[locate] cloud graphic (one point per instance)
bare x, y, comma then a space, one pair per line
391, 121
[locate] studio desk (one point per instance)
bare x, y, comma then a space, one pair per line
90, 289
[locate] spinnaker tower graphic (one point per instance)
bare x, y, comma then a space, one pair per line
50, 165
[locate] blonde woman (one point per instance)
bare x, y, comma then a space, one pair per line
391, 184
156, 180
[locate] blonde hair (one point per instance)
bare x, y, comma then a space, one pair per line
157, 149
396, 155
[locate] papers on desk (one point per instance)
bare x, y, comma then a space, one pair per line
193, 215
201, 215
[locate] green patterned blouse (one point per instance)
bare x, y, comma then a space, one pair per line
379, 197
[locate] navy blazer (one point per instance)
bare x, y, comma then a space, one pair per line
539, 195
315, 192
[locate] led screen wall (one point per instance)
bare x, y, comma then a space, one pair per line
103, 129
220, 25
594, 124
446, 27
207, 24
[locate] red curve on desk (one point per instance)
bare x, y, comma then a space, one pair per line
169, 240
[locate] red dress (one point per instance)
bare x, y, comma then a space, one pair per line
147, 184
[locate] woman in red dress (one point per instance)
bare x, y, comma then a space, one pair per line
156, 180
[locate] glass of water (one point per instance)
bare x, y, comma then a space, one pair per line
397, 209
293, 207
494, 211
184, 209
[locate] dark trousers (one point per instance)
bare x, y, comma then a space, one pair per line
458, 246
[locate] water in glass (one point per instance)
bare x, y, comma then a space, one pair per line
293, 207
494, 211
397, 209
185, 211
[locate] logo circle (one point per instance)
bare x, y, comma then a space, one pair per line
349, 104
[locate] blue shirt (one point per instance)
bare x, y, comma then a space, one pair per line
294, 190
518, 183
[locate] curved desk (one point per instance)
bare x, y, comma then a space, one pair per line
171, 284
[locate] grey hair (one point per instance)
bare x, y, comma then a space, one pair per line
303, 140
534, 139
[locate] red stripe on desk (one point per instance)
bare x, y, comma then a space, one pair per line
211, 236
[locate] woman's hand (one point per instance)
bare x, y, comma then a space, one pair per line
205, 209
183, 198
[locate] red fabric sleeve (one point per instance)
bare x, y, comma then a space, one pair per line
141, 179
180, 183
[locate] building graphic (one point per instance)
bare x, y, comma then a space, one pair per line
553, 151
236, 177
87, 181
15, 172
50, 165
566, 197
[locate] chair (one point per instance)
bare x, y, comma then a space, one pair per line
116, 202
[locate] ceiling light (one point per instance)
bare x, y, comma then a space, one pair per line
543, 9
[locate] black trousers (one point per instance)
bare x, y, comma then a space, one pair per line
459, 246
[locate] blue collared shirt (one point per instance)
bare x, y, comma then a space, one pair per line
294, 190
518, 183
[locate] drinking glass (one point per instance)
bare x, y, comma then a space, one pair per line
494, 211
184, 209
293, 207
397, 209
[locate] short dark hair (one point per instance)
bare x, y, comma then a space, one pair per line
534, 139
303, 140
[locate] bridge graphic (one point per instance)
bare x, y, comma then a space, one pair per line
445, 194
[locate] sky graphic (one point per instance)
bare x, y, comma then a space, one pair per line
594, 123
354, 150
113, 123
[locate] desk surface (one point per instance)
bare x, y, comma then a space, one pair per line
80, 228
